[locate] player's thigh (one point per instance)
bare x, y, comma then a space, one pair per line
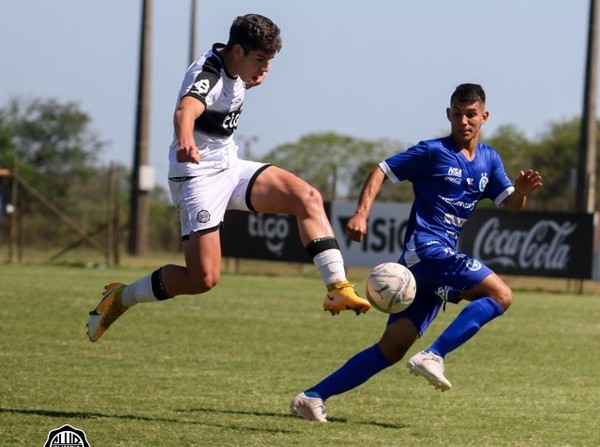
277, 191
405, 327
448, 273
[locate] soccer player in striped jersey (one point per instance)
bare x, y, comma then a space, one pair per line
449, 176
206, 177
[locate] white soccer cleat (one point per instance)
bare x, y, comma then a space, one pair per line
430, 366
309, 408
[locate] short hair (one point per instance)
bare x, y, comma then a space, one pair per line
255, 33
468, 93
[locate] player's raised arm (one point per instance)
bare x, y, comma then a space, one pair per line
357, 225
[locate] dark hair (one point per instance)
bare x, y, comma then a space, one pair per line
255, 33
468, 93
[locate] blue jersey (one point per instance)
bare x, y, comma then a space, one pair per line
447, 187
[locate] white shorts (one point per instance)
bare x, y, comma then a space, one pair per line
202, 201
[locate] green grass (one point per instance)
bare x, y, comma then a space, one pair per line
220, 369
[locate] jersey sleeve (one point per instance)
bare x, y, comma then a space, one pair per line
499, 187
406, 165
200, 83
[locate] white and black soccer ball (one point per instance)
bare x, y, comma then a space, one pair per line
391, 287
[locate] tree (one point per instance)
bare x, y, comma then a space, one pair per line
555, 155
6, 147
57, 154
513, 146
329, 161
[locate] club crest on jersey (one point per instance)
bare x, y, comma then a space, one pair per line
202, 86
483, 181
473, 265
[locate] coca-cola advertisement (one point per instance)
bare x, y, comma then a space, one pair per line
532, 243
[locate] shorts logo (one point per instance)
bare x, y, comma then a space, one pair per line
442, 292
66, 436
203, 216
473, 265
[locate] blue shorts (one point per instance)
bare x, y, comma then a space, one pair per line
440, 278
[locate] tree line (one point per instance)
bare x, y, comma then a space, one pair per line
54, 148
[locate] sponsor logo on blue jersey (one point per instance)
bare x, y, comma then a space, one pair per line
456, 172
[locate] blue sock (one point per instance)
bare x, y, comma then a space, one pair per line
465, 325
353, 373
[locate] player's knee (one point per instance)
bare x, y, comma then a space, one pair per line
504, 297
310, 200
394, 344
203, 283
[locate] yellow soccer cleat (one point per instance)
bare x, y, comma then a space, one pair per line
342, 296
107, 311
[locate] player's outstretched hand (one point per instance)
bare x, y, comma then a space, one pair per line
527, 182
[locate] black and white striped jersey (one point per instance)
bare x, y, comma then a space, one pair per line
223, 95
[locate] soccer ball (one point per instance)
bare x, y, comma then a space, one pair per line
391, 287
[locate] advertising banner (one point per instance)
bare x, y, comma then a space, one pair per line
532, 243
262, 236
543, 244
384, 240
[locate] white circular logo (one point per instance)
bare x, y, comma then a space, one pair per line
203, 216
473, 265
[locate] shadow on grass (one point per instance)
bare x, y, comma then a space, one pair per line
270, 414
93, 415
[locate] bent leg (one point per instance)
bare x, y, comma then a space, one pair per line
489, 299
201, 273
203, 266
277, 191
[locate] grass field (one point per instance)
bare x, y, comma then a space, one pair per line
221, 369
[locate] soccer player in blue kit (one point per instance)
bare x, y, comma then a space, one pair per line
450, 176
206, 177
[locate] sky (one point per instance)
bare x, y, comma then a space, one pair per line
383, 69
